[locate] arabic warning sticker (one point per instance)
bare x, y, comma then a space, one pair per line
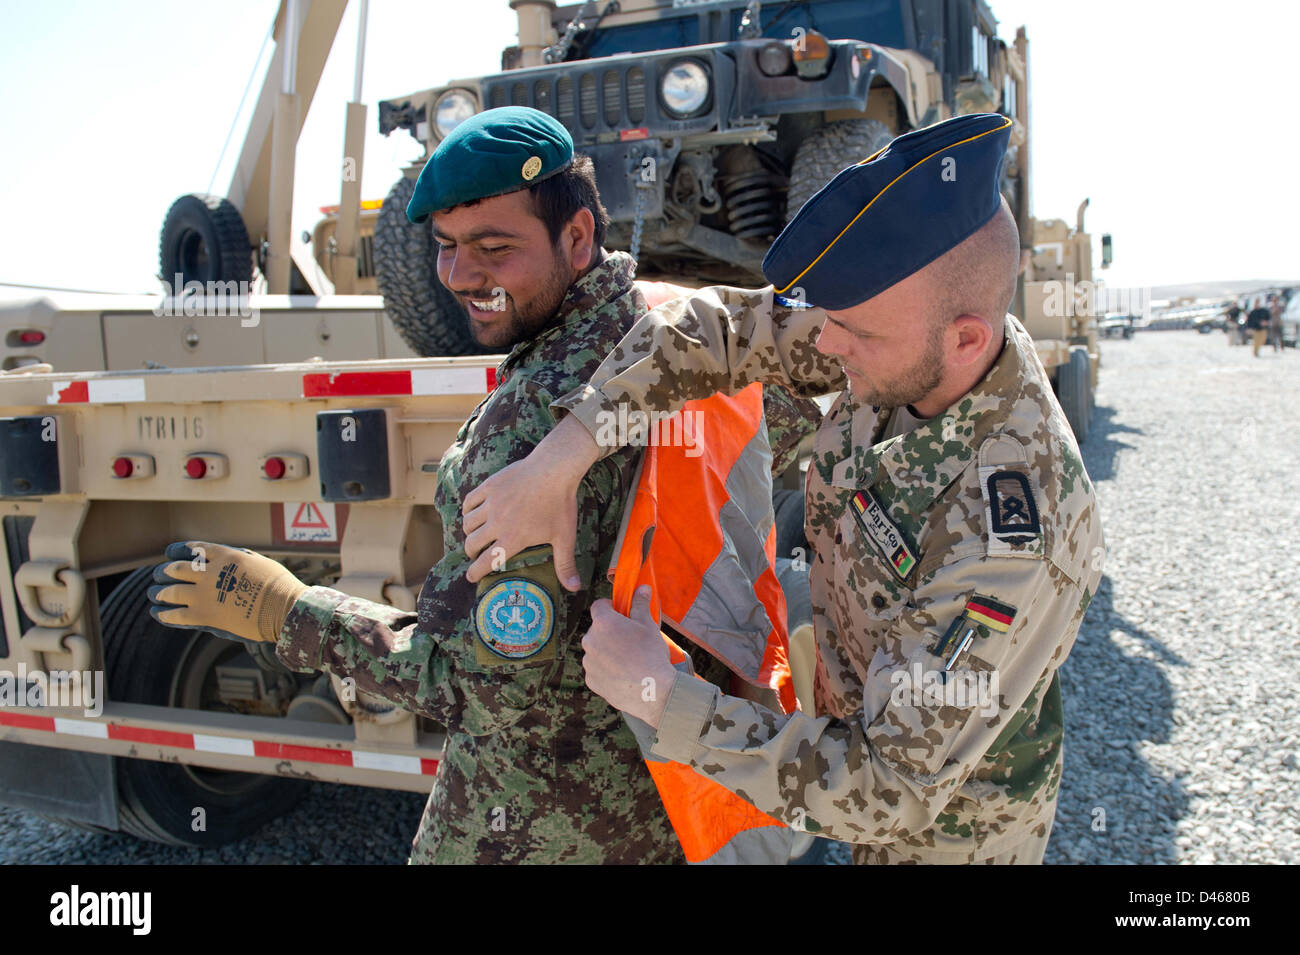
308, 522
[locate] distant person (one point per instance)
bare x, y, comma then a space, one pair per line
1257, 322
1231, 326
1275, 322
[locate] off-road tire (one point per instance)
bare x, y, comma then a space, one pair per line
203, 239
425, 314
828, 150
1074, 391
156, 800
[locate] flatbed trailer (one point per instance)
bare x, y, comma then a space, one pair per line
98, 474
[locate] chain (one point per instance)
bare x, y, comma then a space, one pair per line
638, 221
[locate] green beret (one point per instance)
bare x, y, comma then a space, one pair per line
498, 151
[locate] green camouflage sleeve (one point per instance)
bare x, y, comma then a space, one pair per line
432, 661
888, 773
718, 339
789, 420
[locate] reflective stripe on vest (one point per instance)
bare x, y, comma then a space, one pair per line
700, 532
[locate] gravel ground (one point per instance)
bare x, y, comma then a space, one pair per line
1182, 720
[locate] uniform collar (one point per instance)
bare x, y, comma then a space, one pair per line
923, 462
608, 280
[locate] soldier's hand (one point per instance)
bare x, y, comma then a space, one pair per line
529, 503
231, 592
627, 661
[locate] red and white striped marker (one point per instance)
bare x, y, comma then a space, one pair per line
420, 381
97, 391
230, 745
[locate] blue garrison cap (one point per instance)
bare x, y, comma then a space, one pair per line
892, 214
498, 151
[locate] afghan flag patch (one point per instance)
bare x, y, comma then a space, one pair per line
990, 613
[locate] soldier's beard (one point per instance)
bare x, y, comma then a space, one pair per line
523, 321
909, 386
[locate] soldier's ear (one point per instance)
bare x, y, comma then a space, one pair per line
579, 239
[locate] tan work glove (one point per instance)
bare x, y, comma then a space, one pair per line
230, 592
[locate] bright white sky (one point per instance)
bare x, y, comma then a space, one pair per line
1173, 117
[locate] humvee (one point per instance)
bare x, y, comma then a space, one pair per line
709, 123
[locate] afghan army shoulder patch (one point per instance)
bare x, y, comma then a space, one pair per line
515, 621
883, 533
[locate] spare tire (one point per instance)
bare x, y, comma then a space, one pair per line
828, 150
203, 239
425, 314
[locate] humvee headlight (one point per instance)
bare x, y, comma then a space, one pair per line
453, 108
685, 88
775, 59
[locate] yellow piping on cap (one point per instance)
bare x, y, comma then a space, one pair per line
996, 129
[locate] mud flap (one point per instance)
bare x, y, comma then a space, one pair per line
59, 782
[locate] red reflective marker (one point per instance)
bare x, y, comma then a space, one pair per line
122, 467
274, 468
196, 467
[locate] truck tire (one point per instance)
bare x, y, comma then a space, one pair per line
203, 239
1074, 391
828, 150
425, 314
148, 662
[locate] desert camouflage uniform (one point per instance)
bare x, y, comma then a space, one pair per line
537, 768
989, 502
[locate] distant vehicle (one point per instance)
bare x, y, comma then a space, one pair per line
1117, 326
1211, 323
1291, 324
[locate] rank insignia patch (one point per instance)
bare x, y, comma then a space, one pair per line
515, 621
1011, 505
883, 533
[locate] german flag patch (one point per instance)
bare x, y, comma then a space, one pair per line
990, 613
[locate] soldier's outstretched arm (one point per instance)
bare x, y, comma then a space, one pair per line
717, 339
890, 771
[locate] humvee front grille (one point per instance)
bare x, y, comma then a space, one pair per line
612, 93
636, 95
564, 110
588, 102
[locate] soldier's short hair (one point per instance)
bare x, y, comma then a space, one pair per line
557, 199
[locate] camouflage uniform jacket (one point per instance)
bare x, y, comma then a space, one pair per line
536, 767
981, 521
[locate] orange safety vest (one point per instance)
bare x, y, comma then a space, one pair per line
689, 532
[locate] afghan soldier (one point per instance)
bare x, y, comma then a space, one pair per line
537, 768
955, 534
